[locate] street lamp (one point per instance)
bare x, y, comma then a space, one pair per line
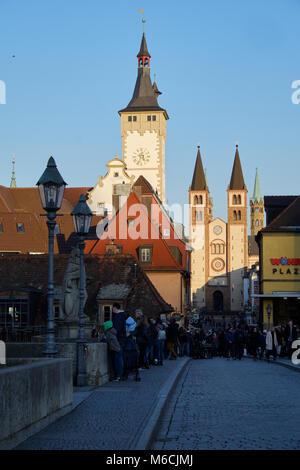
51, 188
269, 310
82, 217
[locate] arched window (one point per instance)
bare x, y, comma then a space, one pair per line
200, 200
195, 200
239, 199
239, 215
256, 222
141, 62
146, 62
234, 199
234, 215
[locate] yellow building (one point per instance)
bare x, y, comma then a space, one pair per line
279, 247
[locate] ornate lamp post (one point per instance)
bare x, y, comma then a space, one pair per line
51, 187
82, 216
269, 310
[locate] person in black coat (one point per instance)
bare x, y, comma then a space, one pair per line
142, 339
171, 338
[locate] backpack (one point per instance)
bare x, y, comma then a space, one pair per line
161, 335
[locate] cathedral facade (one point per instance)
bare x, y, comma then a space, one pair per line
221, 250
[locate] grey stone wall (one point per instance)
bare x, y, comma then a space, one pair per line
97, 358
33, 394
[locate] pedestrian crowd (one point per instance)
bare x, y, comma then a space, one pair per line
137, 342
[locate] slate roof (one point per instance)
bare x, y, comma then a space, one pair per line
237, 178
103, 272
287, 220
143, 52
199, 179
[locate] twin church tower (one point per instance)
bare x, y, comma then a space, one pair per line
220, 255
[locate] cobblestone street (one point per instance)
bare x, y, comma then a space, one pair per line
220, 404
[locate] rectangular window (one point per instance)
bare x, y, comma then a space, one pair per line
129, 118
148, 118
153, 118
134, 118
20, 227
145, 255
119, 249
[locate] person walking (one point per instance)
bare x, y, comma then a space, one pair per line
119, 323
142, 339
161, 339
229, 343
171, 338
182, 341
239, 341
271, 344
113, 349
253, 342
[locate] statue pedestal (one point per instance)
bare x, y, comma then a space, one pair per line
69, 329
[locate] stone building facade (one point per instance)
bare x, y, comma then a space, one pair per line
221, 250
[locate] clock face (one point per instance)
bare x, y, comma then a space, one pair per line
141, 156
218, 229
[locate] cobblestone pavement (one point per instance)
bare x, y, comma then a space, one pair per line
221, 404
110, 418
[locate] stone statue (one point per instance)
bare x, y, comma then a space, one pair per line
71, 284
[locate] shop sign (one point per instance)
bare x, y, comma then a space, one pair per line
286, 265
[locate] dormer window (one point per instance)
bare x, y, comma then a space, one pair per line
116, 174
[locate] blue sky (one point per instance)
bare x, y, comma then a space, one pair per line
225, 69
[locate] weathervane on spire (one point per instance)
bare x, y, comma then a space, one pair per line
143, 19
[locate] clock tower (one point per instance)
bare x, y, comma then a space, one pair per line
143, 128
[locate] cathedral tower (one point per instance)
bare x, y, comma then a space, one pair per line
200, 215
143, 128
237, 234
256, 208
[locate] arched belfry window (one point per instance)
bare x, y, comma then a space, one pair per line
239, 215
195, 200
146, 62
234, 215
141, 62
234, 199
239, 199
200, 200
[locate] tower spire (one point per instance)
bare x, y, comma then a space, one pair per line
145, 94
199, 179
256, 192
13, 183
237, 178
